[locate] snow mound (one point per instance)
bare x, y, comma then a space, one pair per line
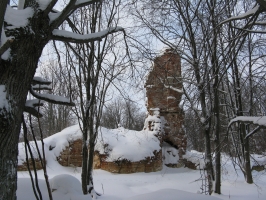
258, 160
171, 194
117, 143
122, 143
53, 145
195, 157
170, 154
67, 187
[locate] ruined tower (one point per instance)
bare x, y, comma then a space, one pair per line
164, 92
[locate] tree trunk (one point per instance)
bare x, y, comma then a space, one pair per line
217, 187
248, 177
15, 79
84, 158
208, 161
3, 4
90, 168
244, 143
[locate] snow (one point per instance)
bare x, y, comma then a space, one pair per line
171, 194
43, 4
173, 88
261, 121
91, 36
33, 102
67, 187
3, 98
21, 4
149, 86
41, 87
17, 18
4, 39
169, 183
170, 154
244, 15
127, 144
122, 143
202, 120
58, 142
54, 16
195, 157
171, 97
258, 160
41, 80
64, 187
82, 1
51, 97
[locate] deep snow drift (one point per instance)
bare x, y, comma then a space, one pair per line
167, 184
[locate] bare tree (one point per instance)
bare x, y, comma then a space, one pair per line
92, 68
123, 113
19, 60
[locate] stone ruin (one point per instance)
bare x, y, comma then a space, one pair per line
163, 93
165, 119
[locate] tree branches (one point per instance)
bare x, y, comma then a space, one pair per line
67, 36
69, 9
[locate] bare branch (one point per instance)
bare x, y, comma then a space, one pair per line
82, 3
39, 80
252, 31
33, 111
52, 98
30, 107
253, 132
69, 9
253, 11
262, 3
50, 7
6, 46
41, 87
260, 121
67, 36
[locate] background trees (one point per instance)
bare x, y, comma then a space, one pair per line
219, 59
118, 112
223, 68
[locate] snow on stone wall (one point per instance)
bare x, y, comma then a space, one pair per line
164, 92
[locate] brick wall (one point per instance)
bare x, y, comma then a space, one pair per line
164, 91
71, 156
150, 164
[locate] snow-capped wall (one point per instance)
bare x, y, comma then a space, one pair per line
117, 150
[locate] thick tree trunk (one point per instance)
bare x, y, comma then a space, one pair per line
15, 78
16, 81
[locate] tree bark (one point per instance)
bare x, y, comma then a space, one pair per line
16, 76
3, 5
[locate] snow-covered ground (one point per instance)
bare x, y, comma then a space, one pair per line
167, 184
178, 184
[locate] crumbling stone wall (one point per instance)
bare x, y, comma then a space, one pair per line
164, 92
23, 166
72, 156
150, 164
